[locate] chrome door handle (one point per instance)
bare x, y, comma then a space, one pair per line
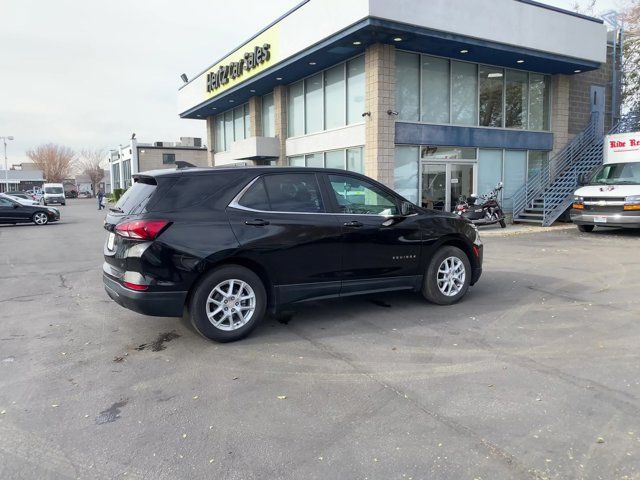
353, 224
258, 222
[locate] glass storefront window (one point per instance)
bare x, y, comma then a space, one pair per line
516, 99
489, 169
538, 102
247, 121
313, 104
514, 175
536, 162
355, 90
405, 172
238, 123
407, 86
297, 161
219, 133
228, 129
435, 90
464, 93
354, 160
334, 97
334, 159
314, 160
296, 109
491, 84
268, 116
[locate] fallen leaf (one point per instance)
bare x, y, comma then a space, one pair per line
600, 440
195, 397
184, 435
3, 412
282, 397
54, 405
235, 378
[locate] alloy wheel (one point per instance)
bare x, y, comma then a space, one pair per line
231, 304
451, 276
40, 218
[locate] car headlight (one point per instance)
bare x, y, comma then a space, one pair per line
632, 202
53, 210
578, 202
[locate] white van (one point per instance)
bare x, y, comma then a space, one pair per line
53, 193
612, 197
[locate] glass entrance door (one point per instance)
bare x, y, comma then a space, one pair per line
434, 186
444, 183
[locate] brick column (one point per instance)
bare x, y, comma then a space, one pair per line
379, 149
560, 111
255, 116
280, 107
211, 140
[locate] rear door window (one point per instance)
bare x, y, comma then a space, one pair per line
284, 192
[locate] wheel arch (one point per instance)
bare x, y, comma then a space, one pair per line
459, 242
247, 263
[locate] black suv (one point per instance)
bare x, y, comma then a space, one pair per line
231, 244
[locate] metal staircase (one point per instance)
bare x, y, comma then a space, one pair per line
548, 193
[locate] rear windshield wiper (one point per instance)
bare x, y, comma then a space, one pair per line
116, 209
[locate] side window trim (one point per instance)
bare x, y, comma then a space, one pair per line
235, 203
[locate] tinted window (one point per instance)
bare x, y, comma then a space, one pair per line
256, 196
5, 203
210, 190
293, 192
135, 198
354, 195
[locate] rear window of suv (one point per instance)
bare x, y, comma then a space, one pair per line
135, 199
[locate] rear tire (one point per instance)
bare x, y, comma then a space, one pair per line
227, 303
447, 277
586, 228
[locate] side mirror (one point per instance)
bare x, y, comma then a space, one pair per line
582, 179
406, 208
15, 205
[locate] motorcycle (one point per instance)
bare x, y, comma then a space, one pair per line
482, 209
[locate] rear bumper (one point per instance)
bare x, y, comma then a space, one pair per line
630, 219
157, 304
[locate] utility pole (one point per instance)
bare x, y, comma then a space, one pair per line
6, 165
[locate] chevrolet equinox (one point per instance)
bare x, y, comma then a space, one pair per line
229, 245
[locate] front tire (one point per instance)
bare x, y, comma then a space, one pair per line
586, 228
447, 277
40, 218
227, 303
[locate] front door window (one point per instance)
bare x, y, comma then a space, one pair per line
357, 196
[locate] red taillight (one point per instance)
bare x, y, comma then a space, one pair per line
476, 251
135, 286
141, 229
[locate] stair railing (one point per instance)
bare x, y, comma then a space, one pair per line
537, 183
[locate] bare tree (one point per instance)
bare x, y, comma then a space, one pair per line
631, 58
89, 164
54, 160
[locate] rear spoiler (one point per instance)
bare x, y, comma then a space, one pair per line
182, 164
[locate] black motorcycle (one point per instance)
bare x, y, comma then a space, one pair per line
482, 209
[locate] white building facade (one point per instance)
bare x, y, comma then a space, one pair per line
435, 99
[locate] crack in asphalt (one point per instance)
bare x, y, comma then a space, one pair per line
505, 457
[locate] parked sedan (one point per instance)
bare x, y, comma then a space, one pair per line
22, 198
12, 211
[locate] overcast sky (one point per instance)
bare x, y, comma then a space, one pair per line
88, 73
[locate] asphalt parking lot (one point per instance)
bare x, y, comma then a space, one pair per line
536, 374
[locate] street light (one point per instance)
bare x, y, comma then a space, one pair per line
6, 167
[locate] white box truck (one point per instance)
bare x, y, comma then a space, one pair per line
611, 198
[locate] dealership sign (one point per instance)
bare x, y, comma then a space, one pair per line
233, 70
622, 147
255, 56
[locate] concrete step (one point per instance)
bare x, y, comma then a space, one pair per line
527, 220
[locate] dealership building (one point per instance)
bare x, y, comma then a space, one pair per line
434, 99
